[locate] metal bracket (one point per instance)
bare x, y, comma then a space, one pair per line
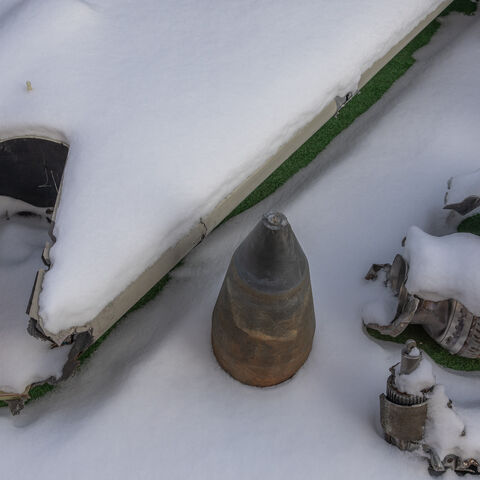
342, 101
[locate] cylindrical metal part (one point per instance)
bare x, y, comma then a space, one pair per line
263, 322
411, 357
403, 415
403, 425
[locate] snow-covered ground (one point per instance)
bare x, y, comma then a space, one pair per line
153, 403
167, 108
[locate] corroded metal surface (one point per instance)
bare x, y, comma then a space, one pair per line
263, 322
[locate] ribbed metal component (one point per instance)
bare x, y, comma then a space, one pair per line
403, 415
471, 348
400, 398
455, 321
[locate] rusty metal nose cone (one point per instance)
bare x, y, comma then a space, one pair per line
263, 322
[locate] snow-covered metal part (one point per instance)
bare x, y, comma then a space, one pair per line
263, 321
405, 416
448, 322
467, 205
169, 257
30, 181
462, 194
177, 250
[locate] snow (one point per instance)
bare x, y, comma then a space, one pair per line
444, 267
23, 359
11, 206
153, 403
463, 186
447, 432
414, 352
380, 311
418, 381
167, 108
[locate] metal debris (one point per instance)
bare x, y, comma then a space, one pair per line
403, 417
263, 322
448, 322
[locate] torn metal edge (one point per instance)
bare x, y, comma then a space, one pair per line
16, 401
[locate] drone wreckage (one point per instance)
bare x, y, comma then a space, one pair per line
406, 418
263, 325
262, 331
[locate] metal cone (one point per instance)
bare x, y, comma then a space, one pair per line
263, 322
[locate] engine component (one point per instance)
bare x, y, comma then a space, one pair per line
448, 322
403, 415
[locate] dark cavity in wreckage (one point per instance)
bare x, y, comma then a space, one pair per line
30, 182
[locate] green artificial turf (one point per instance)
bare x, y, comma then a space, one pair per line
467, 7
470, 225
359, 104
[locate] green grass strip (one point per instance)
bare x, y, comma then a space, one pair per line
359, 104
470, 225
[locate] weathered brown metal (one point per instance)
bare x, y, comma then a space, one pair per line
263, 322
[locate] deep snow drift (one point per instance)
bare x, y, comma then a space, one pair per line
166, 108
152, 402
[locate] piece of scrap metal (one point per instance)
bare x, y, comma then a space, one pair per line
403, 418
263, 321
448, 322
